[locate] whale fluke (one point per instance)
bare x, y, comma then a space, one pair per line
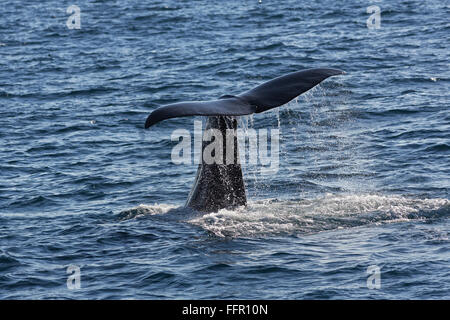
230, 106
220, 184
281, 90
266, 96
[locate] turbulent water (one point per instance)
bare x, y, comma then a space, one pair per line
364, 162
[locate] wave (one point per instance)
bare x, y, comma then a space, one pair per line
144, 210
330, 212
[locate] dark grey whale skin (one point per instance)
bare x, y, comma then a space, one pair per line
219, 186
271, 94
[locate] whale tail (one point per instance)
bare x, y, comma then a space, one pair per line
220, 184
266, 96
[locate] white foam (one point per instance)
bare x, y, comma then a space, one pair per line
315, 215
144, 209
329, 212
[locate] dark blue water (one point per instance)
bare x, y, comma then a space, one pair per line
364, 166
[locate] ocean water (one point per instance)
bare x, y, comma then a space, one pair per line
363, 180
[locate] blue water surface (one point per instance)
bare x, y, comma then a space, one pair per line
363, 179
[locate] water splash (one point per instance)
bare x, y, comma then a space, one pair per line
271, 217
145, 210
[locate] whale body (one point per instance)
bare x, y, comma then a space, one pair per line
220, 184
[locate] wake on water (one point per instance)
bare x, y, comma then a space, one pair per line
300, 217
